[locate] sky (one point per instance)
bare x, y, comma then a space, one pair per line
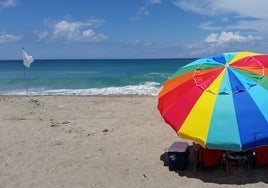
131, 29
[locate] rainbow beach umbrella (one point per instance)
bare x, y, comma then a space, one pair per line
220, 102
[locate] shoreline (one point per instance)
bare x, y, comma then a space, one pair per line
96, 141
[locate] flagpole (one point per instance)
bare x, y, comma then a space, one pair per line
25, 81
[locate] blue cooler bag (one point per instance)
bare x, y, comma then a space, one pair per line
178, 156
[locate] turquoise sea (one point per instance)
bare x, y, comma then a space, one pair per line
87, 77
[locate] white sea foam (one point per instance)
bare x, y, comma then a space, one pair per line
148, 88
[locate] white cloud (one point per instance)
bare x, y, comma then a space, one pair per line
198, 7
245, 8
248, 14
5, 38
209, 26
140, 43
144, 10
41, 35
225, 37
8, 3
77, 31
225, 41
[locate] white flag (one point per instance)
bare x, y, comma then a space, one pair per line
27, 59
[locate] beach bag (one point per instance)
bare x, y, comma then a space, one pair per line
262, 156
209, 157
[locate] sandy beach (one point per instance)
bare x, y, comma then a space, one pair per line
97, 141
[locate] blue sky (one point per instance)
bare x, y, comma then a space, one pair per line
50, 29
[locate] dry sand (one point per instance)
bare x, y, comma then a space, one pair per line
86, 141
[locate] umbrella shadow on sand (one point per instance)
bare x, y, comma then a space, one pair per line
238, 175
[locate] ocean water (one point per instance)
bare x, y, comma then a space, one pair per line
87, 77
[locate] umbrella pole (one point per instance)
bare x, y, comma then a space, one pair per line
225, 162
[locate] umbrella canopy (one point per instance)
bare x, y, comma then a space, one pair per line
220, 102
